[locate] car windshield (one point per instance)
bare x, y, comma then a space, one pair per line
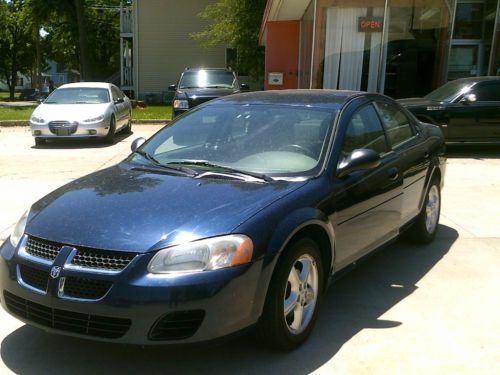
275, 140
449, 91
79, 95
207, 79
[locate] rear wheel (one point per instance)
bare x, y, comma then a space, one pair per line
425, 227
294, 294
110, 138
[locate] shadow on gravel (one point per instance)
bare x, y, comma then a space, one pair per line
473, 151
80, 143
353, 303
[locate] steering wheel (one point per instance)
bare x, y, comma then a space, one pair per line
298, 148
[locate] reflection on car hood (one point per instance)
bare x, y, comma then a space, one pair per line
418, 102
70, 112
204, 92
121, 208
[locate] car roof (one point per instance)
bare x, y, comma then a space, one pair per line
332, 99
198, 69
103, 85
477, 79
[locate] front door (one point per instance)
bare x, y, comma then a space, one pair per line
479, 120
368, 202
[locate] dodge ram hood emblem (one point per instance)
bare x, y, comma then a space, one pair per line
55, 271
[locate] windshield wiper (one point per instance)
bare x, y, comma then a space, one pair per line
157, 163
205, 163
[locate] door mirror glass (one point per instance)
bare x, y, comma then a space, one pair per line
172, 87
357, 160
470, 98
137, 143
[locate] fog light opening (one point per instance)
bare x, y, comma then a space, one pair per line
37, 132
92, 131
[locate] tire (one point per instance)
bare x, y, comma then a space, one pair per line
39, 141
110, 138
299, 292
128, 128
424, 229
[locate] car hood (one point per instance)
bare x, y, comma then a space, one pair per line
69, 112
417, 102
129, 209
201, 92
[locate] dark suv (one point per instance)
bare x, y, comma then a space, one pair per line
200, 85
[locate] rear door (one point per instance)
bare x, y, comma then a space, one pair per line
367, 202
413, 154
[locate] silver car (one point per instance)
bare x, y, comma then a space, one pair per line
81, 110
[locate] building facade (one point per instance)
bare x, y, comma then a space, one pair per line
401, 48
156, 45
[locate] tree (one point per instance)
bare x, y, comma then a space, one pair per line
17, 44
236, 23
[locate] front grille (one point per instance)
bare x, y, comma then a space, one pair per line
85, 324
177, 325
42, 248
102, 260
199, 100
77, 287
62, 127
34, 277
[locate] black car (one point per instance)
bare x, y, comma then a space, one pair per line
200, 85
467, 109
237, 214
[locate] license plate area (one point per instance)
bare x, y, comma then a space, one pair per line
63, 131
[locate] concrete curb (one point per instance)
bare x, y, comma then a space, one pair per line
8, 123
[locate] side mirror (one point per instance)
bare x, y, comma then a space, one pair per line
357, 160
119, 100
244, 87
469, 98
41, 100
137, 143
172, 87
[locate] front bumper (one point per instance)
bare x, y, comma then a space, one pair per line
66, 129
224, 300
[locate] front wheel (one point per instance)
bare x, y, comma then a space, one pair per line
293, 297
110, 137
424, 229
39, 141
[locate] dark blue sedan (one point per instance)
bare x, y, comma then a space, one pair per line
237, 214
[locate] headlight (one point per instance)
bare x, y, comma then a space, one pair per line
181, 104
18, 231
95, 119
37, 120
203, 255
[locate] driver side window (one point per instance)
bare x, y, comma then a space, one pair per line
364, 131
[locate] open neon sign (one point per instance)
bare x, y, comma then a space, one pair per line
370, 24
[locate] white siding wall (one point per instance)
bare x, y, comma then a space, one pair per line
164, 47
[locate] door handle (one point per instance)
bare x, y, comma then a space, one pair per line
393, 173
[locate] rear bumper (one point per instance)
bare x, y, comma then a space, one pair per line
226, 298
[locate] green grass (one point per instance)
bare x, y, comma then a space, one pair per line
15, 113
153, 112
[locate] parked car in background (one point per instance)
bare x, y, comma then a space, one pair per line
82, 110
467, 110
236, 214
196, 86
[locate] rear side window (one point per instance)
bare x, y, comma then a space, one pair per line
364, 131
395, 122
